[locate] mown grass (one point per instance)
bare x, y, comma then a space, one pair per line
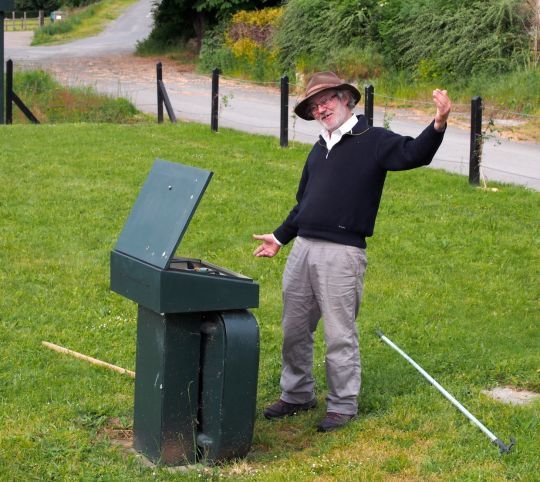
80, 22
452, 278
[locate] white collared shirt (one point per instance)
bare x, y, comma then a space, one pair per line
336, 136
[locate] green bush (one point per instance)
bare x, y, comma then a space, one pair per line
355, 62
214, 53
312, 33
451, 39
435, 40
241, 46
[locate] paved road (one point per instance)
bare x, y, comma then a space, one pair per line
105, 62
120, 36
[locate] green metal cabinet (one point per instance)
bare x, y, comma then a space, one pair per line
197, 344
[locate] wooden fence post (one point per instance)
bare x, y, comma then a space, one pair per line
9, 92
12, 98
284, 124
2, 16
215, 100
476, 141
159, 76
368, 104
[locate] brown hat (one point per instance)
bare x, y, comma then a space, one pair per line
319, 82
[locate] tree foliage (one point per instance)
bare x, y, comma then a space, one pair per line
50, 5
182, 19
34, 5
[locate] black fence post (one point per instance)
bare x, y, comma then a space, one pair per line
476, 141
368, 104
215, 100
13, 98
2, 16
159, 77
9, 92
284, 124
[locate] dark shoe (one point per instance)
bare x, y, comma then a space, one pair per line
285, 409
333, 421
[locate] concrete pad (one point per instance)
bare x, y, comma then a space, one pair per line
511, 395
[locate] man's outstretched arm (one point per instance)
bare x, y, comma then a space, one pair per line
268, 248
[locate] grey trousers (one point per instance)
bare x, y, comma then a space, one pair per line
322, 279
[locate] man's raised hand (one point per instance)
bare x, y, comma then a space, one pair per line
443, 105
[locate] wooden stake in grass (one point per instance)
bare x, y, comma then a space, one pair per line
93, 361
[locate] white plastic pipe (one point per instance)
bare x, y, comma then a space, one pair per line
438, 386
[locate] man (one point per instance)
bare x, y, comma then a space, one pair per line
337, 202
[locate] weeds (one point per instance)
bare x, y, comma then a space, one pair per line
50, 102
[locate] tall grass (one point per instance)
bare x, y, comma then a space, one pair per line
51, 102
517, 91
452, 278
55, 30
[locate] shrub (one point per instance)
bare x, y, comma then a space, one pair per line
355, 62
242, 46
452, 39
432, 39
313, 33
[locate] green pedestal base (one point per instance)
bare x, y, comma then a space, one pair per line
196, 385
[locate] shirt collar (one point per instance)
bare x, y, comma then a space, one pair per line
342, 129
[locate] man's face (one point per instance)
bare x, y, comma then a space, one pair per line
329, 110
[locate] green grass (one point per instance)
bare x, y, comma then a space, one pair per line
452, 278
81, 22
513, 95
51, 102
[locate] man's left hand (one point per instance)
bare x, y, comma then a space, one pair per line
443, 104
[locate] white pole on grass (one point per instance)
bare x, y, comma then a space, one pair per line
503, 448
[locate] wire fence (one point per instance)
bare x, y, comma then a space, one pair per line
261, 101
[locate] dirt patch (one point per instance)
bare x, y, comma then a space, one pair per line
117, 433
512, 395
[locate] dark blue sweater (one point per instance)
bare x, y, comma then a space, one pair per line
339, 195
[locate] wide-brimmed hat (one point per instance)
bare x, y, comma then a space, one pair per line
319, 82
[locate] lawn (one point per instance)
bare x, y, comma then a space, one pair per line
452, 279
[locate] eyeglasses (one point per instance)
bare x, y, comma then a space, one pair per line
314, 106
